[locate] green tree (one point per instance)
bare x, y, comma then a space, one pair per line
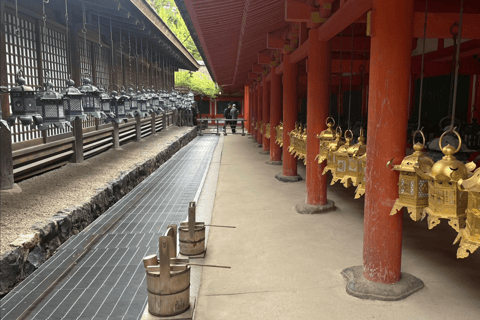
168, 11
197, 82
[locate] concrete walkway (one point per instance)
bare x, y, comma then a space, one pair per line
287, 266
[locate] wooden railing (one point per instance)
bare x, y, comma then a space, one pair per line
40, 151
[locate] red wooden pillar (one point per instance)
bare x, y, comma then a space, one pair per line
265, 113
246, 106
259, 111
275, 113
290, 71
318, 81
390, 61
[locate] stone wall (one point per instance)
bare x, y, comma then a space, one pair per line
32, 250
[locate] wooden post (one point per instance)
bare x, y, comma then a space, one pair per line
116, 135
275, 114
289, 113
78, 143
318, 100
6, 162
392, 33
265, 113
138, 127
164, 121
154, 130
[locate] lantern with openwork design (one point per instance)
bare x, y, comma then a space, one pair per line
324, 139
23, 104
294, 134
50, 103
279, 134
362, 161
332, 149
107, 108
128, 104
142, 103
412, 188
469, 237
445, 199
267, 131
118, 107
352, 176
301, 148
341, 157
72, 102
91, 99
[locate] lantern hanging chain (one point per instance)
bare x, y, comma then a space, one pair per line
351, 77
457, 64
422, 68
99, 34
129, 60
112, 50
84, 30
362, 74
67, 45
136, 61
121, 48
44, 34
17, 28
340, 81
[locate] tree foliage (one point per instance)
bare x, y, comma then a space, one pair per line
196, 81
168, 11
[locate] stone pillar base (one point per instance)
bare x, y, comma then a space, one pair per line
15, 189
305, 208
264, 152
358, 286
280, 177
275, 163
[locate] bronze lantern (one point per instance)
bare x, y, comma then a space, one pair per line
469, 237
118, 107
445, 199
341, 160
267, 131
332, 148
106, 106
50, 104
23, 104
91, 99
352, 176
413, 188
362, 162
324, 139
279, 134
72, 102
142, 103
128, 103
135, 106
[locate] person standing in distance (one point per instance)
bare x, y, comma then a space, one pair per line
234, 116
226, 115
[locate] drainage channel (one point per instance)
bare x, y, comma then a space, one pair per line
99, 274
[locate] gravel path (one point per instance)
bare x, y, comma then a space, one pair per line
43, 196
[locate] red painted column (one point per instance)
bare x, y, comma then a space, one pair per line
318, 81
254, 111
290, 71
259, 111
266, 113
275, 113
390, 62
246, 106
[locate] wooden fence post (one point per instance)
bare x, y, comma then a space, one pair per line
164, 121
78, 143
6, 162
116, 135
154, 130
138, 127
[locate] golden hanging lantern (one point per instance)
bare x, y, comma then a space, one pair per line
445, 199
267, 129
324, 139
294, 134
302, 145
332, 148
362, 162
469, 237
279, 134
412, 187
260, 125
351, 177
256, 125
341, 160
